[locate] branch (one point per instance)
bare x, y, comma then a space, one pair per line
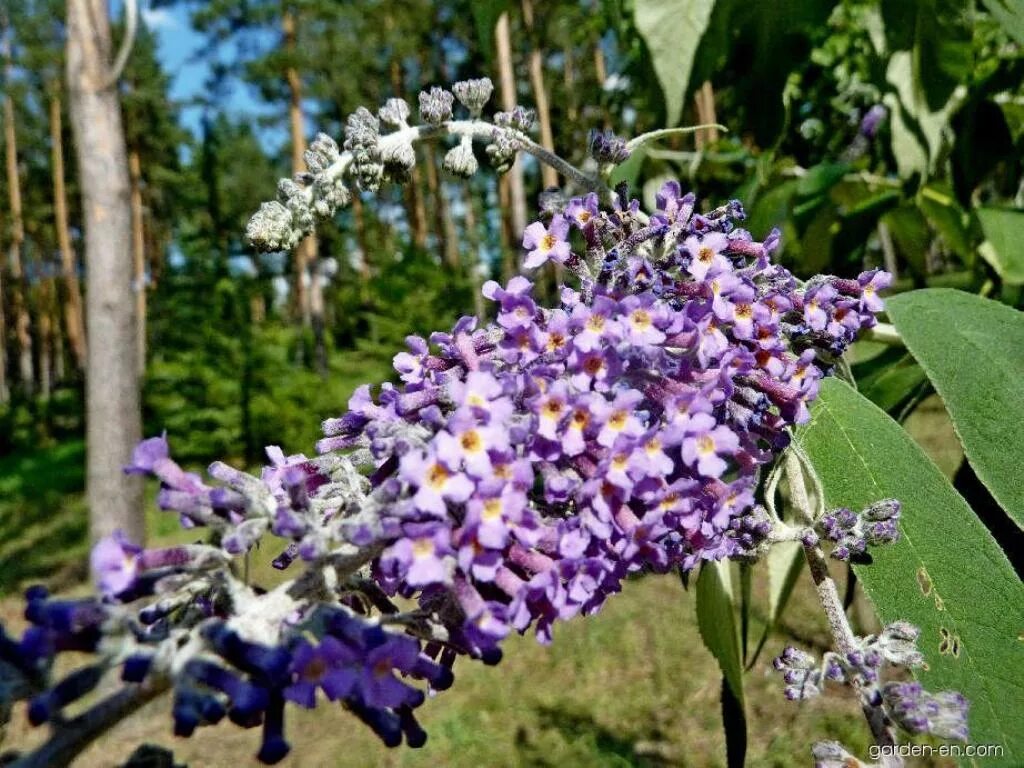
842, 634
664, 133
72, 736
131, 25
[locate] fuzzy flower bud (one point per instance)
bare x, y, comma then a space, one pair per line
460, 160
436, 105
400, 156
898, 644
801, 673
606, 147
832, 754
271, 228
519, 119
362, 130
474, 94
918, 711
329, 195
322, 153
395, 112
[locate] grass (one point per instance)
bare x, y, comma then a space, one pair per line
632, 686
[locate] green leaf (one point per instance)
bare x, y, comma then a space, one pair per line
949, 219
1004, 229
946, 574
1009, 13
716, 620
929, 55
672, 30
890, 379
971, 349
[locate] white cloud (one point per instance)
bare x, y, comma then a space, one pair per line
159, 18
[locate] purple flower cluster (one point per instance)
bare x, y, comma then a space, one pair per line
517, 474
853, 533
905, 703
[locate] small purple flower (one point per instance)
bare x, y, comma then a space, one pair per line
114, 562
582, 210
546, 243
871, 283
327, 665
706, 254
872, 121
706, 442
436, 481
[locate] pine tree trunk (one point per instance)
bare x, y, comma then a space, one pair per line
60, 373
306, 251
444, 227
43, 322
704, 99
19, 287
311, 307
138, 258
415, 210
5, 392
113, 413
601, 75
472, 235
569, 79
516, 188
548, 175
73, 320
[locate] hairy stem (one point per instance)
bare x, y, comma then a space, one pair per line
73, 736
885, 333
828, 595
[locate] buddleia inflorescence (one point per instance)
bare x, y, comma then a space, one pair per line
517, 474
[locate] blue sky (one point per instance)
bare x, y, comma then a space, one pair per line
178, 47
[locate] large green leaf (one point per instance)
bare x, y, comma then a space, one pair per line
1009, 13
946, 574
672, 30
928, 54
1004, 230
716, 620
973, 351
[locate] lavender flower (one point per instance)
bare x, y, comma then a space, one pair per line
546, 243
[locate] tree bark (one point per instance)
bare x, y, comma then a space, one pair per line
138, 258
113, 414
415, 209
19, 287
306, 252
704, 99
310, 298
516, 189
73, 320
548, 175
444, 227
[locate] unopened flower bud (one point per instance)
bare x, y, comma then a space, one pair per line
362, 130
460, 160
322, 153
606, 147
436, 105
270, 228
886, 509
399, 155
395, 112
474, 94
